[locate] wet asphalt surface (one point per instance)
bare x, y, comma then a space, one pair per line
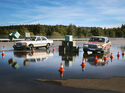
20, 77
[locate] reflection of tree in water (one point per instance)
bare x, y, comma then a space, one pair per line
90, 58
68, 57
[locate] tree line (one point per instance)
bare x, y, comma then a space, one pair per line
62, 30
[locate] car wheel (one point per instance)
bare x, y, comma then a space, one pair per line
48, 45
37, 47
102, 51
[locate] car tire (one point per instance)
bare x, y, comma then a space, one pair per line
47, 46
94, 52
102, 51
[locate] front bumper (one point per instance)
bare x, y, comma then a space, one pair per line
92, 49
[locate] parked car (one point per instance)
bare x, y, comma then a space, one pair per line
97, 44
33, 42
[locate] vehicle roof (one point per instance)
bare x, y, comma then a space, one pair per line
99, 37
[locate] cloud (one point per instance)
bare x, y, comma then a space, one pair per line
110, 26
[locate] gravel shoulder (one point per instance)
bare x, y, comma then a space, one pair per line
111, 84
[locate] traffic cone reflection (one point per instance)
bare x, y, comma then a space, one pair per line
83, 69
61, 75
96, 60
123, 53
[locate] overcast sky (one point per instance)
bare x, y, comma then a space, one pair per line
104, 13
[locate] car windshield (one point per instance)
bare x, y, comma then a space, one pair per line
97, 40
30, 39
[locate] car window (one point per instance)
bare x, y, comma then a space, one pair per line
43, 38
97, 40
38, 39
107, 41
33, 38
101, 40
30, 39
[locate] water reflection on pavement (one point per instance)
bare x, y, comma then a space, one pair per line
21, 68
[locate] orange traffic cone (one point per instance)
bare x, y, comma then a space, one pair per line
33, 51
96, 60
61, 68
53, 49
105, 58
83, 63
118, 55
3, 54
111, 57
123, 53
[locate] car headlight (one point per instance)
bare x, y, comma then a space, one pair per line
99, 46
85, 45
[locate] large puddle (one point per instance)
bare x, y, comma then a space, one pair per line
25, 65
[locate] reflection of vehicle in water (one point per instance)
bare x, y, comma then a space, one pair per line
37, 56
90, 58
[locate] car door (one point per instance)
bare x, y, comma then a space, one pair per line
38, 42
44, 41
